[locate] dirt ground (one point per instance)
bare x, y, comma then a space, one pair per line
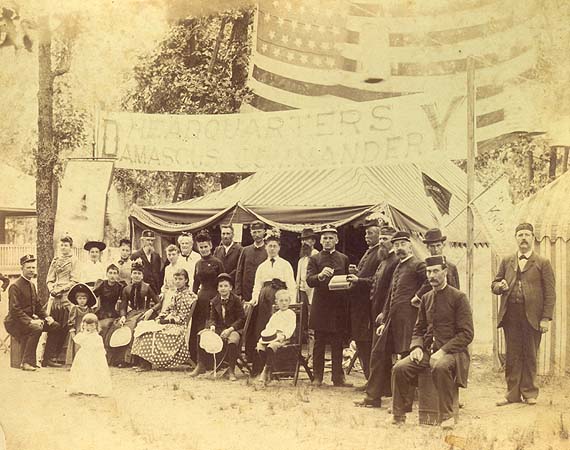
168, 410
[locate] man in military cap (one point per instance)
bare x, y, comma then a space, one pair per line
440, 340
329, 311
399, 315
435, 243
525, 282
360, 278
150, 260
26, 317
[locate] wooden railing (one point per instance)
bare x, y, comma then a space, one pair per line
10, 256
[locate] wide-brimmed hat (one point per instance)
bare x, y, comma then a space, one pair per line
82, 287
121, 337
308, 233
268, 335
434, 235
211, 342
95, 244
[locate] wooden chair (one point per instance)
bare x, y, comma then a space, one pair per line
242, 363
289, 358
5, 344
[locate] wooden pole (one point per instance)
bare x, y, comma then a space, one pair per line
470, 173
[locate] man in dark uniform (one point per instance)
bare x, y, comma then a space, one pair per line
150, 260
383, 276
525, 282
408, 284
435, 242
359, 294
26, 317
228, 251
251, 257
329, 312
441, 335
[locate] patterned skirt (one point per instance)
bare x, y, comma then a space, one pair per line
163, 349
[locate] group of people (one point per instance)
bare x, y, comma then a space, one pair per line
406, 315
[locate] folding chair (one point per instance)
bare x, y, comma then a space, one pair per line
242, 363
289, 358
5, 344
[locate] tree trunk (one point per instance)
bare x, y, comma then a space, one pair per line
565, 159
240, 33
46, 159
217, 44
552, 166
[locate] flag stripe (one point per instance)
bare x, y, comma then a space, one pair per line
403, 9
266, 105
484, 120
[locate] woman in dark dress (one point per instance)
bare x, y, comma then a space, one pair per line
205, 285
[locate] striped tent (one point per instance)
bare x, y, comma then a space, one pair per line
547, 210
293, 199
328, 52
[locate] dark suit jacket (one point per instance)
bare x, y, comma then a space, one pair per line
408, 280
359, 296
381, 283
147, 299
250, 259
152, 270
229, 260
538, 287
445, 322
452, 275
235, 316
22, 305
329, 310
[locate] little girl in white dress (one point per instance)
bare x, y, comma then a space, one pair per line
90, 373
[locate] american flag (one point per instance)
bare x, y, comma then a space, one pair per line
320, 53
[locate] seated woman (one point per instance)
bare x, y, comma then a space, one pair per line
167, 347
138, 302
109, 293
226, 319
277, 333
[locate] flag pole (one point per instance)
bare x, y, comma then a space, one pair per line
470, 172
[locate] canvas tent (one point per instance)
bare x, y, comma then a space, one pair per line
293, 199
548, 211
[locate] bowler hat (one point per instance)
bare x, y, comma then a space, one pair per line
329, 228
434, 235
26, 259
81, 287
401, 236
95, 244
147, 234
307, 233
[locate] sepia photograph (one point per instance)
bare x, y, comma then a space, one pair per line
284, 224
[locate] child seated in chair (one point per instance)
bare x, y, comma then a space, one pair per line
226, 319
276, 334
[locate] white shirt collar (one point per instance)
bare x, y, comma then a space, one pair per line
259, 246
527, 254
228, 246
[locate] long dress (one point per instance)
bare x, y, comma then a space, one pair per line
74, 323
90, 373
206, 286
64, 272
108, 294
167, 347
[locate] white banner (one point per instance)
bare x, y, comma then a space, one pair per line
82, 201
400, 128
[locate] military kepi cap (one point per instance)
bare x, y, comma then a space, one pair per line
26, 259
401, 236
329, 228
147, 234
257, 225
435, 260
524, 226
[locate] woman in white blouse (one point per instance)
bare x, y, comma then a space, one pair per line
264, 288
93, 269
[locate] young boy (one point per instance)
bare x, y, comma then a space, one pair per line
226, 319
276, 334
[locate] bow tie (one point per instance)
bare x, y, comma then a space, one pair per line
521, 257
225, 301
